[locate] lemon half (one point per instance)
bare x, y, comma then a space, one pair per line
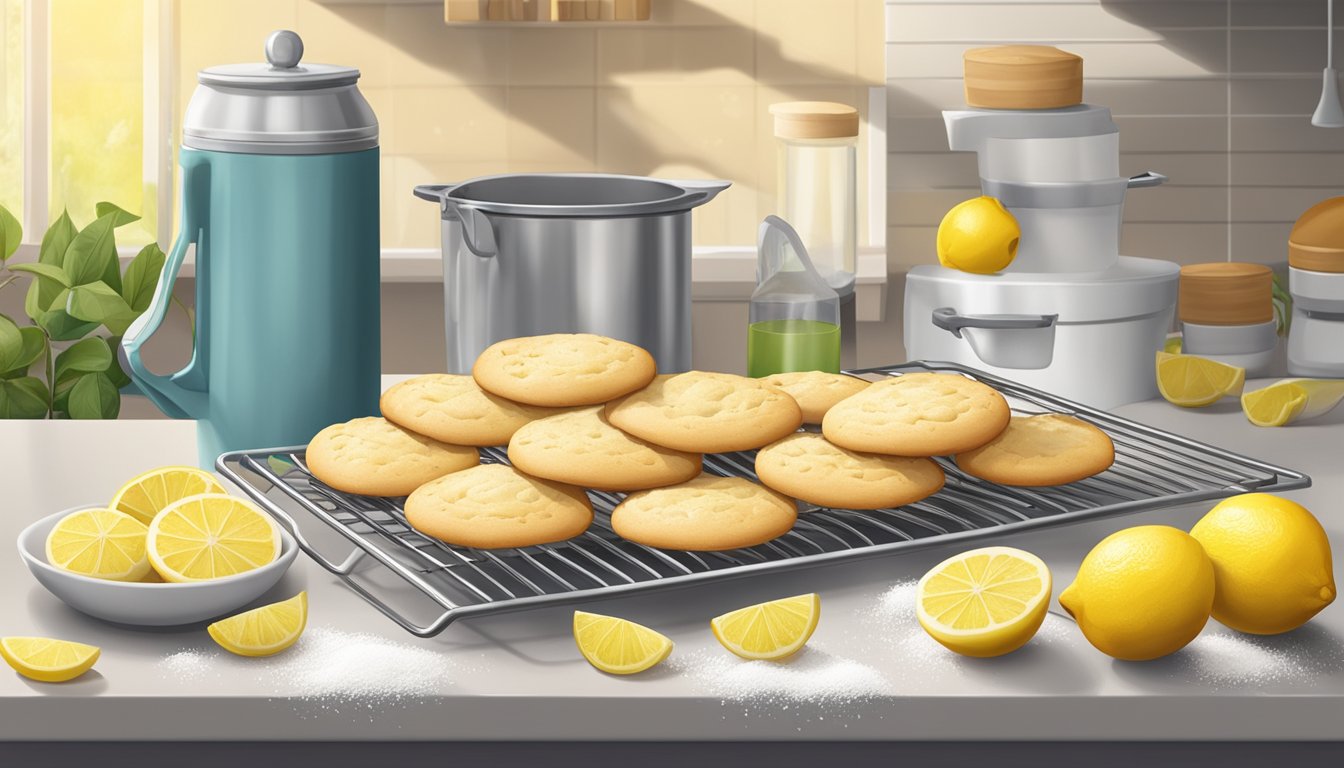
617, 646
771, 631
211, 536
149, 493
102, 543
985, 602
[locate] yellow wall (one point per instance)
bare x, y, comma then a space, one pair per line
682, 95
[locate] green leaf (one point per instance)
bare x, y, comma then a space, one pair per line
99, 303
92, 252
94, 396
57, 240
60, 325
11, 343
24, 398
34, 342
11, 234
120, 218
90, 355
142, 277
60, 404
42, 271
115, 371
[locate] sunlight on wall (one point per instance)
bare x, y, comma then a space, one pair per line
11, 106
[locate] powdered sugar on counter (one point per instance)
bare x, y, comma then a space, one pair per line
811, 675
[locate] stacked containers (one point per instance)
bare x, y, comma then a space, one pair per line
1316, 281
1226, 311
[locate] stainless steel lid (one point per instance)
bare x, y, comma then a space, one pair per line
281, 107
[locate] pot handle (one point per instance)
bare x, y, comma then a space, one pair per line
477, 230
950, 320
1146, 179
698, 191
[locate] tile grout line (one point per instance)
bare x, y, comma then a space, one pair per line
1228, 69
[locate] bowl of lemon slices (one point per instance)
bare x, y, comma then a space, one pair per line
172, 547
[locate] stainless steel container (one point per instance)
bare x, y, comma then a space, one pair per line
525, 254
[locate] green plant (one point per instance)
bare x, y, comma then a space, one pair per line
76, 287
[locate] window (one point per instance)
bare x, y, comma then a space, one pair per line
11, 106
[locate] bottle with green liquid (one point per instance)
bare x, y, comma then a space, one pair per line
795, 314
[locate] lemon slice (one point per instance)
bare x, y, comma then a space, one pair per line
47, 660
985, 602
771, 631
1290, 400
263, 631
1193, 382
146, 495
211, 536
101, 543
617, 646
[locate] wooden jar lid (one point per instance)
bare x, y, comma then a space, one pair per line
1022, 77
1226, 293
1317, 240
814, 120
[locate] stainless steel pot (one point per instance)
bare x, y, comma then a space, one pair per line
525, 254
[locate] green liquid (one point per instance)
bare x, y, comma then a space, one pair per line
780, 346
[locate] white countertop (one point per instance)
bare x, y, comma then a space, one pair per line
523, 668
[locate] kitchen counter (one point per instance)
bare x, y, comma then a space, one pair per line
519, 676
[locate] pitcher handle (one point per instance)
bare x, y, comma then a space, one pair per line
180, 395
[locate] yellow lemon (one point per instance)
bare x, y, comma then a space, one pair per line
1271, 563
102, 543
1142, 592
1284, 402
263, 631
617, 646
978, 235
48, 660
986, 602
211, 536
1193, 382
147, 494
770, 631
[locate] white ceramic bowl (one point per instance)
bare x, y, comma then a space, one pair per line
149, 604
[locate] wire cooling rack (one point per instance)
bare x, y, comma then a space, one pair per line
1152, 469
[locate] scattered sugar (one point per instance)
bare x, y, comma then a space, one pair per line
1226, 659
187, 665
813, 675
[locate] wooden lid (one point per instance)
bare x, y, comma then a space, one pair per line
814, 120
1226, 293
1317, 240
1022, 77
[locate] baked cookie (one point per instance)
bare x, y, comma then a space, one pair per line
706, 514
454, 409
705, 412
918, 414
563, 369
495, 506
374, 457
816, 391
582, 448
1049, 449
807, 466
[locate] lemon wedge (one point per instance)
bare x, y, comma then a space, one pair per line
771, 631
263, 631
985, 602
102, 543
147, 494
1290, 400
211, 536
47, 660
617, 646
1193, 382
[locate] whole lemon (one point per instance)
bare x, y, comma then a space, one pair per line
978, 235
1271, 563
1142, 592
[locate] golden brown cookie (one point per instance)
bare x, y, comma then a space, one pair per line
807, 466
495, 506
816, 391
374, 457
563, 369
706, 514
918, 414
705, 412
582, 448
1049, 449
454, 409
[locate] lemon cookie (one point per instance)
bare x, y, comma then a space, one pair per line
816, 391
372, 456
1049, 449
707, 412
563, 369
582, 448
454, 409
918, 414
807, 466
495, 506
706, 514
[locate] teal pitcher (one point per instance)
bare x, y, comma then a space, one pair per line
280, 199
